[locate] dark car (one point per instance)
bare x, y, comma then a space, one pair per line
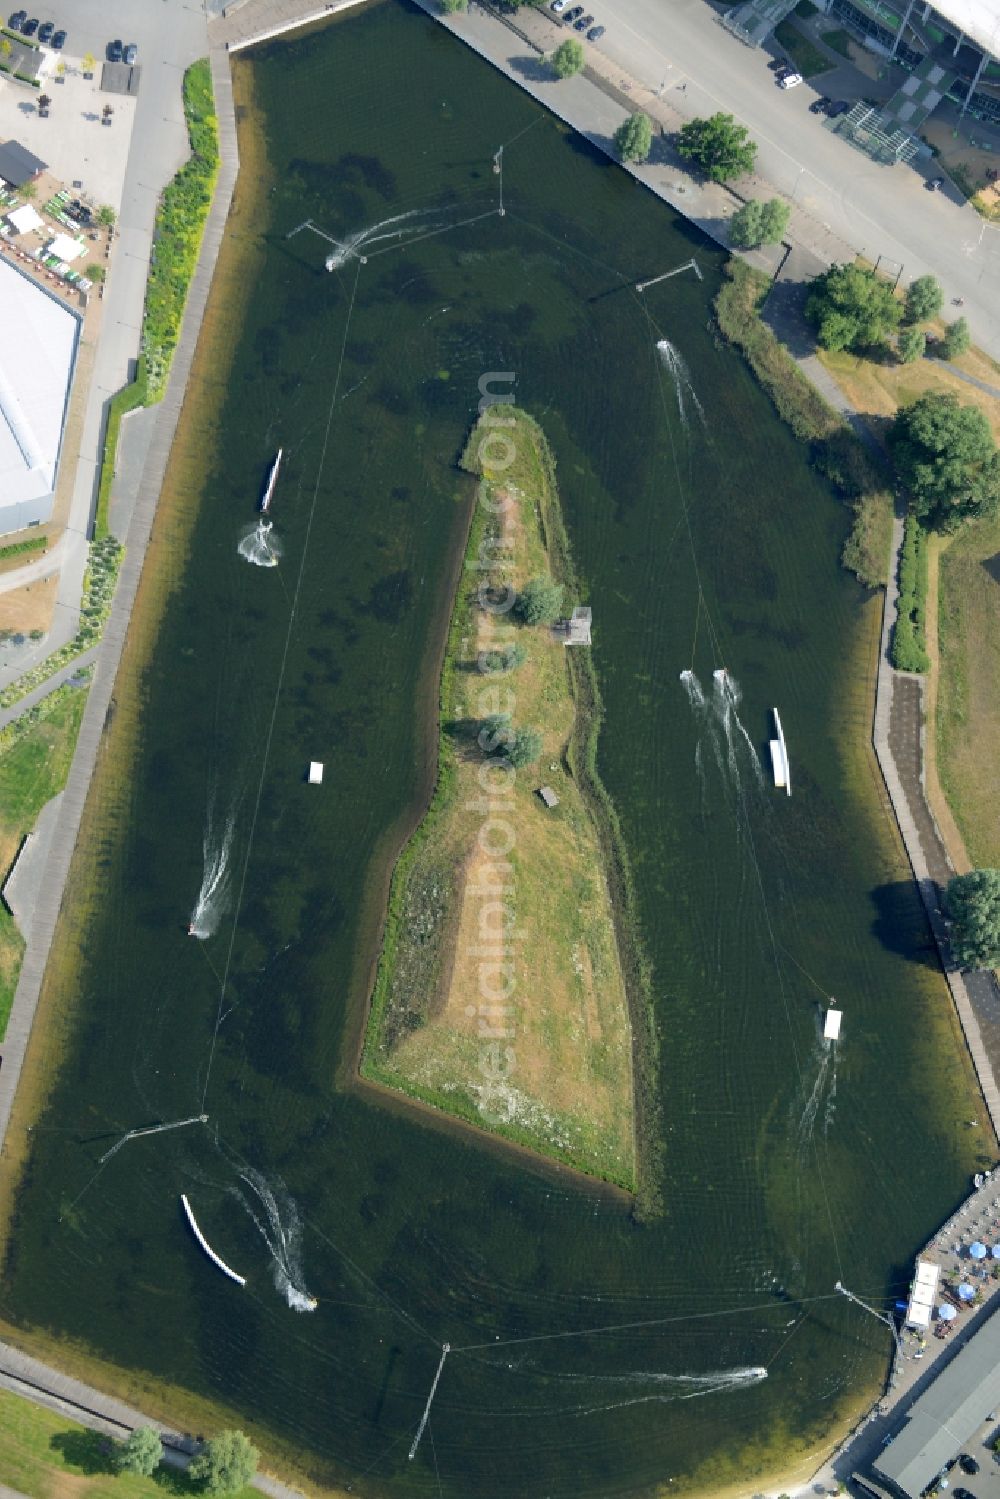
819, 106
595, 33
571, 14
115, 50
30, 27
17, 20
583, 23
45, 31
968, 1464
130, 54
839, 107
777, 64
59, 40
963, 1494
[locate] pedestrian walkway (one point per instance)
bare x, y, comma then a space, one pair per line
253, 21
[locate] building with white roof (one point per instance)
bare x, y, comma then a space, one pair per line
37, 360
25, 219
65, 247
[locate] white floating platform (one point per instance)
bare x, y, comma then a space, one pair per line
831, 1030
315, 772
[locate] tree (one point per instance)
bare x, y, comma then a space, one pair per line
449, 7
924, 299
95, 272
852, 308
911, 345
88, 62
227, 1462
567, 59
106, 216
495, 733
525, 748
28, 190
506, 660
5, 48
43, 104
634, 137
973, 904
945, 453
956, 339
721, 148
759, 223
539, 601
140, 1452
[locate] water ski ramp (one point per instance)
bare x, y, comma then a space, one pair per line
216, 1259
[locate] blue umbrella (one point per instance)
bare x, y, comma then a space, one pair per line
977, 1250
965, 1292
996, 1251
946, 1312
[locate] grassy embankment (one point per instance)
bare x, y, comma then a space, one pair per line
35, 755
836, 452
566, 1088
46, 1456
180, 222
806, 56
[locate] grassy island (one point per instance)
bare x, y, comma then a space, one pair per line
500, 995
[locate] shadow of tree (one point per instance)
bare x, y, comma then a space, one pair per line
901, 923
88, 1451
533, 69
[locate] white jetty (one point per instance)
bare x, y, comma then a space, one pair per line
779, 757
315, 772
831, 1030
216, 1259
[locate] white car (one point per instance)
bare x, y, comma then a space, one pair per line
790, 80
559, 6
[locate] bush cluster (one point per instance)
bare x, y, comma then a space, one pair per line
98, 591
177, 233
32, 544
909, 637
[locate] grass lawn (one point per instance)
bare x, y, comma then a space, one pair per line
968, 696
549, 992
838, 40
46, 1456
807, 57
32, 771
878, 390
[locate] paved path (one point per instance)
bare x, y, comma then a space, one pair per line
69, 1397
8, 715
991, 390
251, 21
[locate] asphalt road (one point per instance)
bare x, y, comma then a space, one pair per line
885, 211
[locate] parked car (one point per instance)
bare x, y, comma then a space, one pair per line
17, 20
968, 1464
819, 106
935, 185
963, 1494
45, 31
839, 107
790, 80
572, 13
30, 27
559, 6
778, 65
115, 50
583, 23
595, 33
130, 54
59, 41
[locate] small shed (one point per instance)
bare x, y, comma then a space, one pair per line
578, 627
315, 772
25, 219
18, 165
548, 796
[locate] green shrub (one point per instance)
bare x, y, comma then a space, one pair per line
911, 345
909, 636
30, 544
956, 339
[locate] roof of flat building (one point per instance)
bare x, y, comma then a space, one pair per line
978, 19
36, 366
17, 164
946, 1415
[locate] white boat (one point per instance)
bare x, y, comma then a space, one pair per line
831, 1027
272, 480
779, 757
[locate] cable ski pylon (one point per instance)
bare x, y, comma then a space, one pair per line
152, 1129
445, 1350
689, 265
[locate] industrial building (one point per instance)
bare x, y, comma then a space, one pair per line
37, 359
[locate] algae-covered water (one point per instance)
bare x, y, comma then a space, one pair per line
591, 1355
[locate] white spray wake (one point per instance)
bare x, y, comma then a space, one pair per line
213, 897
396, 228
664, 1387
282, 1234
259, 545
824, 1086
684, 390
719, 717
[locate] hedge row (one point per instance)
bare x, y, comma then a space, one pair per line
836, 452
31, 544
909, 637
27, 720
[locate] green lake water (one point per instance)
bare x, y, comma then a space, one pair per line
592, 1356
